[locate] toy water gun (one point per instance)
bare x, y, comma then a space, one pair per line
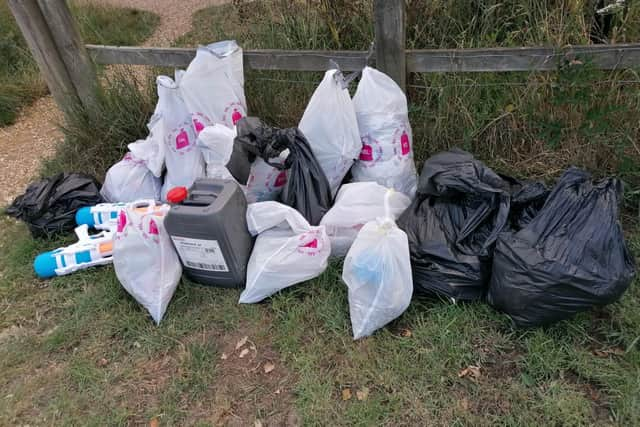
104, 216
88, 251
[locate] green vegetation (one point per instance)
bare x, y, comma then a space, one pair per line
20, 82
79, 350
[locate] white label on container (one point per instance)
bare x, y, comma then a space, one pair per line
200, 254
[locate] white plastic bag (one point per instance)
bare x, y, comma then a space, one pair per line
216, 145
213, 85
265, 182
130, 180
355, 205
329, 124
383, 120
377, 271
287, 250
174, 128
144, 259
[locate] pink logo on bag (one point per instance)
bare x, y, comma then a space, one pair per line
401, 142
233, 113
310, 243
404, 143
367, 153
236, 116
197, 124
281, 179
153, 228
182, 139
371, 151
122, 221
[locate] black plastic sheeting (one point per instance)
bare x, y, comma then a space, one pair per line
307, 189
569, 257
460, 208
49, 206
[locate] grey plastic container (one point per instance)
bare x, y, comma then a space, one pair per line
209, 231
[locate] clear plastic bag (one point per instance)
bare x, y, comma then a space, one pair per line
329, 124
287, 250
130, 180
355, 205
377, 271
386, 155
144, 258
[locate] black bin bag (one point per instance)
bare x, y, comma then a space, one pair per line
452, 224
307, 189
569, 257
49, 206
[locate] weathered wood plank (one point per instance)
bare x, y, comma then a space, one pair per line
267, 59
36, 32
418, 61
66, 36
390, 39
606, 57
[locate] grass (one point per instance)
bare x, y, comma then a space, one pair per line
79, 350
20, 82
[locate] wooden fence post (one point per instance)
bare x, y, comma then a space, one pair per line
390, 39
66, 35
38, 36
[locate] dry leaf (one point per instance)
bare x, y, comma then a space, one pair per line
224, 356
363, 393
464, 404
405, 333
244, 352
472, 372
575, 62
346, 394
257, 423
242, 342
609, 351
154, 422
509, 108
268, 367
103, 362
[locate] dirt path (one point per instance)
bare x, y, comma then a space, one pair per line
34, 135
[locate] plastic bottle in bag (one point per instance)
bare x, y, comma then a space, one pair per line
329, 124
355, 205
377, 271
386, 155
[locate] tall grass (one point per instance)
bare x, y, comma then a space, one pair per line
20, 82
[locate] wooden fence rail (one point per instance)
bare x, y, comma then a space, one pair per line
66, 63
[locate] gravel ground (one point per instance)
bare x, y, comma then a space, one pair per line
34, 135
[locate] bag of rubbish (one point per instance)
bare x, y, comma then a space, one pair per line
452, 225
130, 180
144, 258
212, 86
355, 205
173, 129
377, 271
329, 124
527, 198
49, 206
216, 144
265, 182
287, 250
569, 257
386, 155
306, 189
